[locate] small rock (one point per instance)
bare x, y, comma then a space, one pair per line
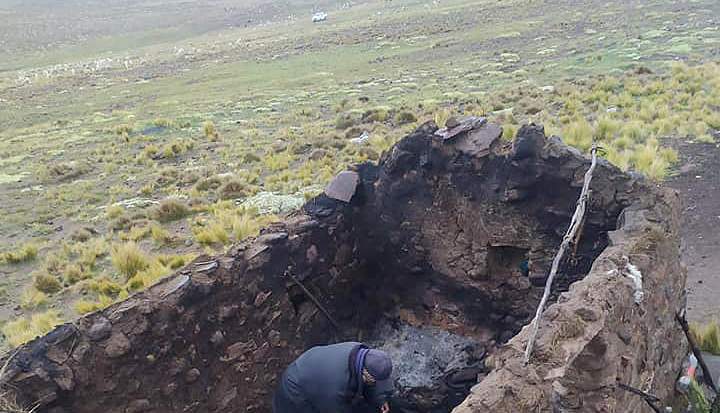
311, 255
452, 123
272, 239
217, 338
100, 330
169, 389
274, 337
192, 375
261, 298
117, 345
137, 406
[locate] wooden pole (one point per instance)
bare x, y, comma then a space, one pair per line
680, 317
570, 235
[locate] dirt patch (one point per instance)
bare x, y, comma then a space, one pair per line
698, 183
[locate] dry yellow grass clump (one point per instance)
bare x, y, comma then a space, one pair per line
24, 329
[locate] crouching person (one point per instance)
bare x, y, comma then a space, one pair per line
339, 378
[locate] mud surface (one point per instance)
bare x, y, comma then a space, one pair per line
698, 183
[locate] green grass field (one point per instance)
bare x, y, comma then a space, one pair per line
143, 136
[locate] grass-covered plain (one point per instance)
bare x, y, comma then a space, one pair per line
125, 155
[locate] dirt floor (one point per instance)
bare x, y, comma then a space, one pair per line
698, 182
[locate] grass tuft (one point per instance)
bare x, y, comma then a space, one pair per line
27, 252
24, 329
579, 134
707, 337
211, 131
47, 283
129, 259
31, 299
85, 306
170, 209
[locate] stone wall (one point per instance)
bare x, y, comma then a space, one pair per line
453, 233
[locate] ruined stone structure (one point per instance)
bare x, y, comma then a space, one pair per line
450, 239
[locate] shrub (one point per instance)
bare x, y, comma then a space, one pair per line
174, 261
606, 128
509, 132
344, 121
633, 131
178, 147
170, 209
104, 286
27, 252
379, 114
159, 234
123, 130
697, 398
81, 235
63, 171
648, 159
210, 131
245, 226
90, 252
114, 211
405, 117
707, 337
147, 277
618, 157
151, 151
441, 117
31, 299
22, 330
129, 259
212, 234
233, 189
75, 273
705, 138
136, 233
163, 123
85, 306
278, 161
579, 134
211, 183
47, 283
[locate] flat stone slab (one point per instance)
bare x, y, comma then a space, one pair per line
455, 128
343, 187
478, 141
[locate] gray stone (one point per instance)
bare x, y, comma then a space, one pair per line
117, 345
192, 375
138, 406
343, 187
478, 141
100, 330
273, 238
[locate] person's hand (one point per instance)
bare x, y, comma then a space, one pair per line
385, 408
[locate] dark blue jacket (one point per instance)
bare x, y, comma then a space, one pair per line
322, 380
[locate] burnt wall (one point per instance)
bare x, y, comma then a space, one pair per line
456, 233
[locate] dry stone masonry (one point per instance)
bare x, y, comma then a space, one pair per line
439, 255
